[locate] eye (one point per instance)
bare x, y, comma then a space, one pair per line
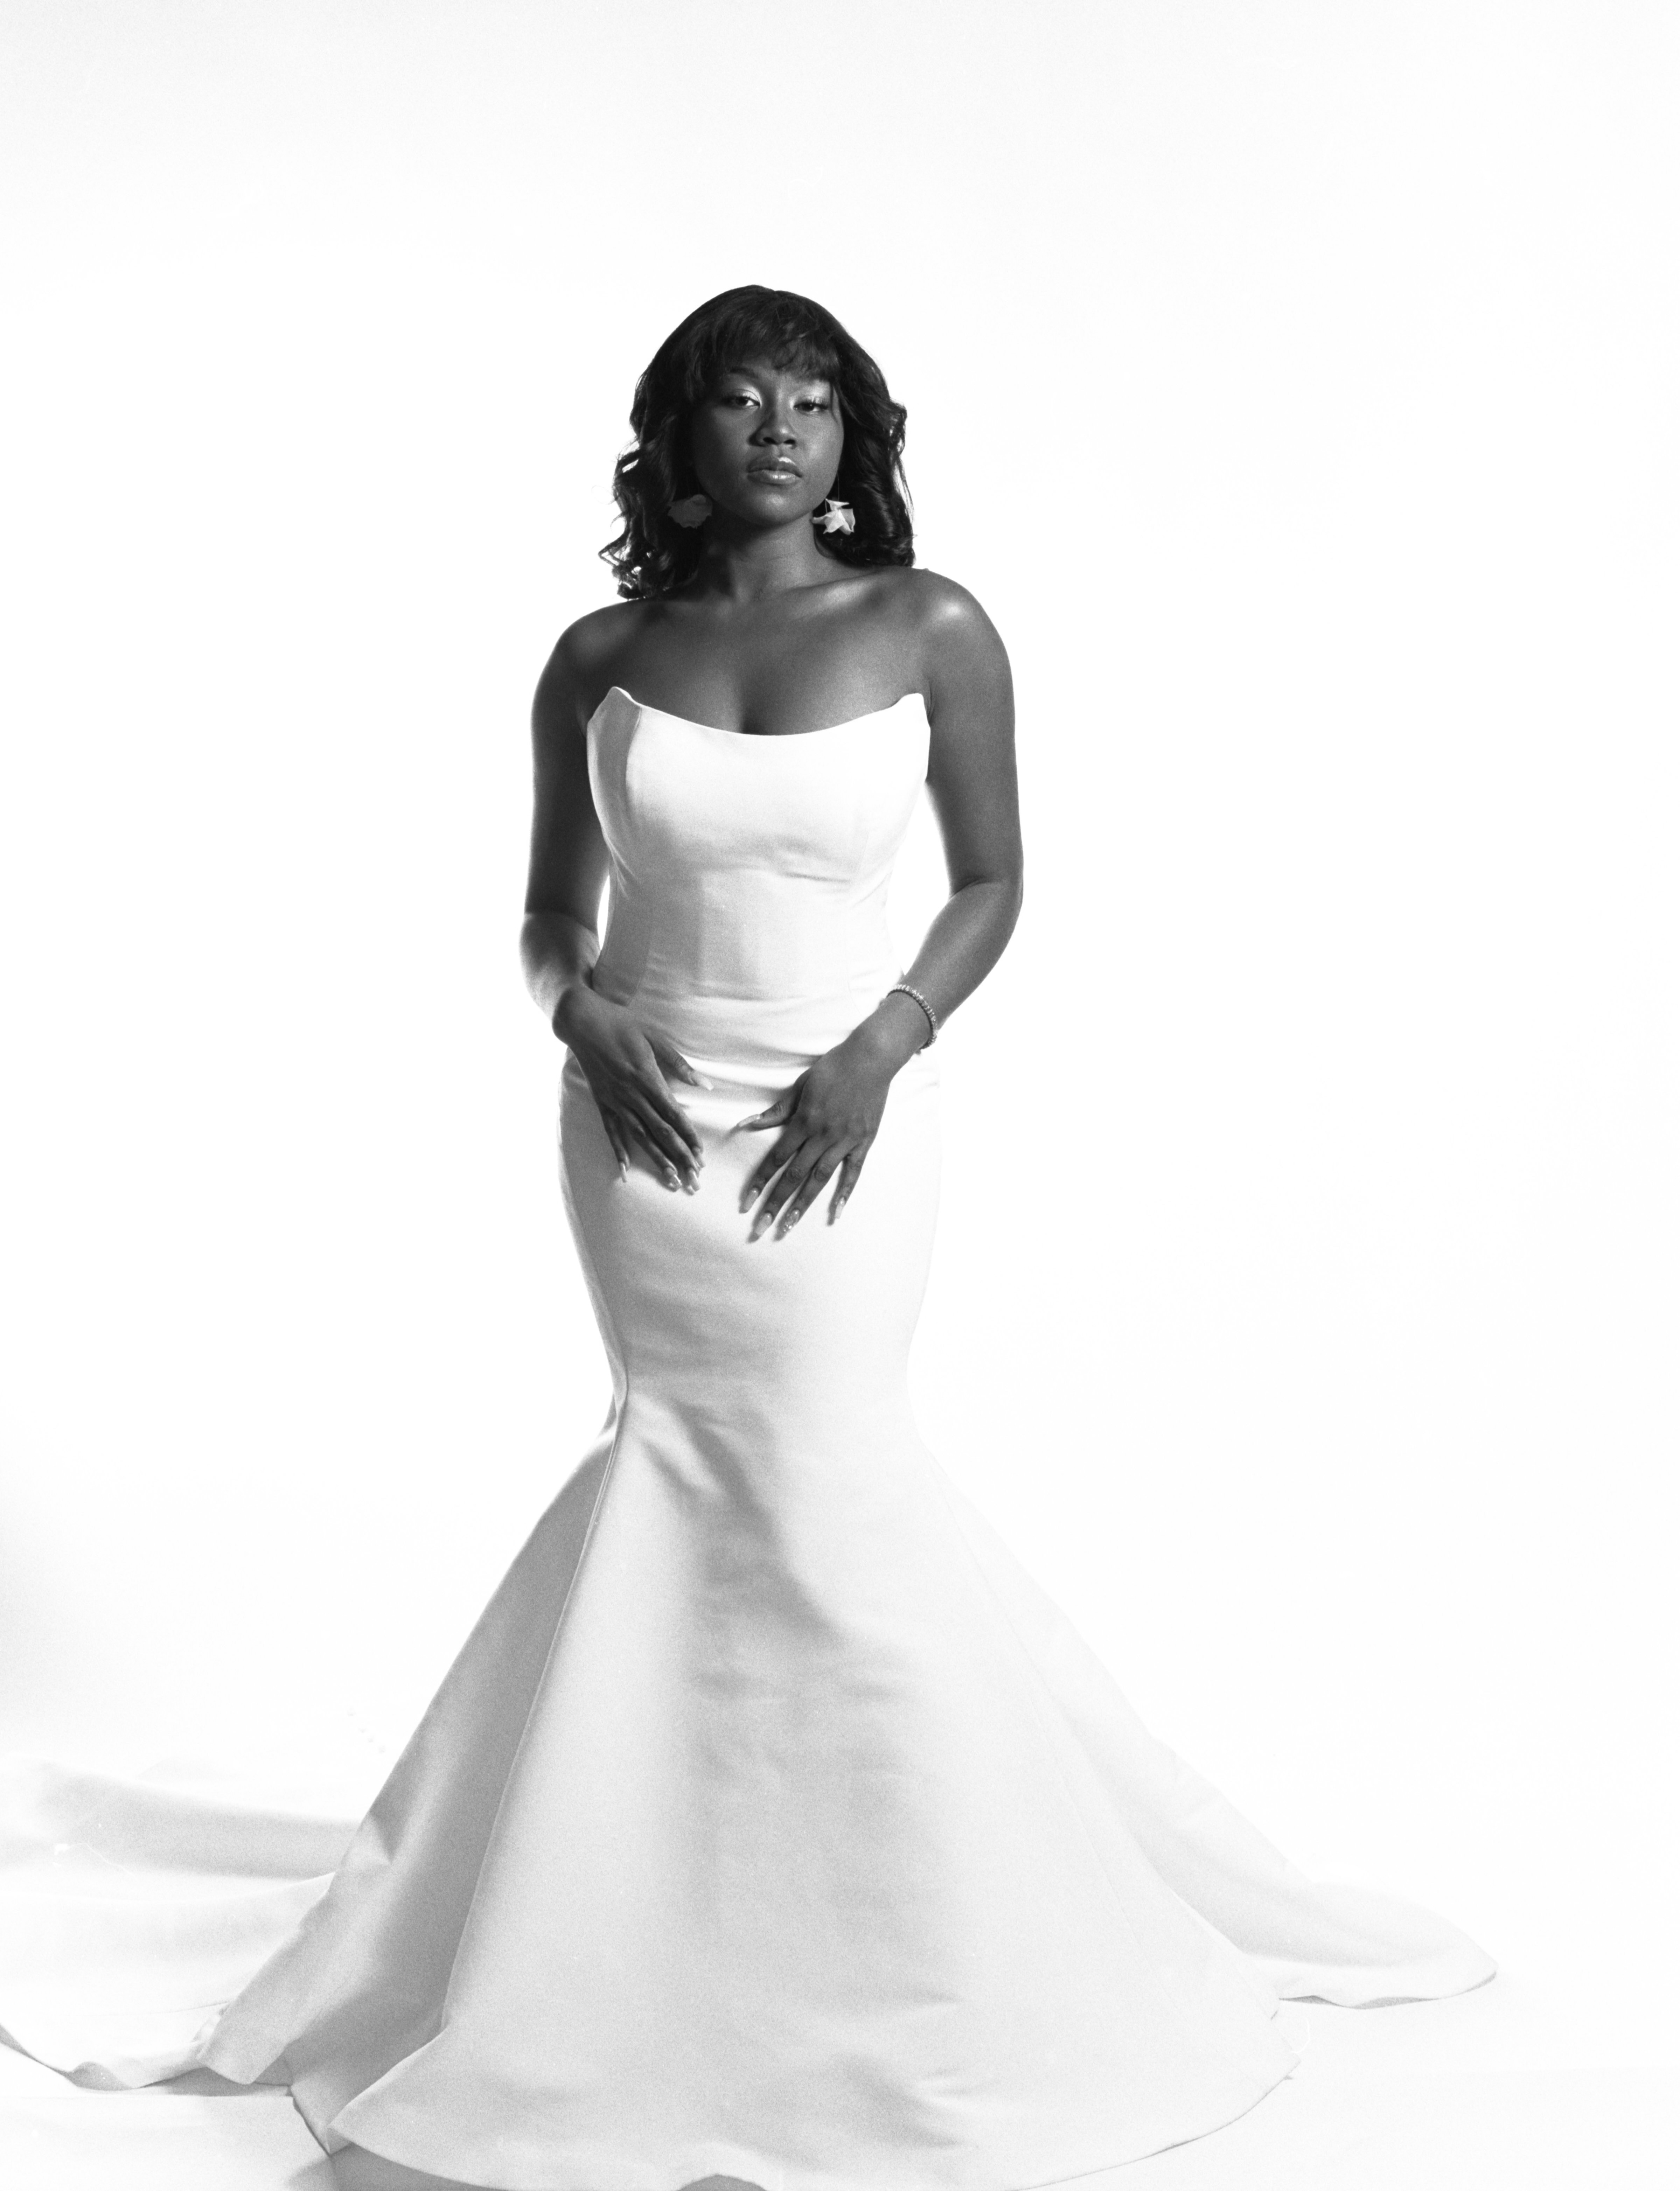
813, 403
738, 396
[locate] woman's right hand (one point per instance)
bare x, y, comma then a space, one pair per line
629, 1069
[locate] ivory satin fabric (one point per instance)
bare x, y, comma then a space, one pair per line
772, 1823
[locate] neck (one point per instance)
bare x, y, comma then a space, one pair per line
745, 565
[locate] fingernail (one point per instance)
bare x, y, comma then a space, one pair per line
691, 1185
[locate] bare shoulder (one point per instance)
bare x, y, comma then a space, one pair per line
940, 604
964, 664
584, 663
953, 634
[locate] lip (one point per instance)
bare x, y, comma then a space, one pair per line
779, 471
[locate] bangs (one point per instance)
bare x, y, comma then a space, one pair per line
785, 331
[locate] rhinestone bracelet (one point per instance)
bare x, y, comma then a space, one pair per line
903, 988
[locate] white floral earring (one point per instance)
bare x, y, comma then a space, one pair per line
694, 509
835, 517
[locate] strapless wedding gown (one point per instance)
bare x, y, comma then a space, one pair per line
771, 1824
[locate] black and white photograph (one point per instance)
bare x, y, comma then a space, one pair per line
842, 1150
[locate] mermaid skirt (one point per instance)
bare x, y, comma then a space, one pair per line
771, 1824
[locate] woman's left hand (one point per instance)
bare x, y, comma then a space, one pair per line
829, 1118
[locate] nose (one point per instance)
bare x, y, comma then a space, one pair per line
776, 426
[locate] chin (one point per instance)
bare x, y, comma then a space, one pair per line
780, 507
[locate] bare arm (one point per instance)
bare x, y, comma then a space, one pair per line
629, 1067
829, 1119
560, 937
971, 782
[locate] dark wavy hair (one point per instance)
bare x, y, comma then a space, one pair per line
652, 553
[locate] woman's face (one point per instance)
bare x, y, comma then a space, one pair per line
766, 442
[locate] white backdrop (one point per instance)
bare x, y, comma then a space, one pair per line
1294, 386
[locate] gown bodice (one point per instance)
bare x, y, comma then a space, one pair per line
749, 874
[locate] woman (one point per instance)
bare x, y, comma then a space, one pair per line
770, 1824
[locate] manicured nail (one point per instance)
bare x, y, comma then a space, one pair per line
691, 1185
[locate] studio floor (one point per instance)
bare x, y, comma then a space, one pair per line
1503, 2089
